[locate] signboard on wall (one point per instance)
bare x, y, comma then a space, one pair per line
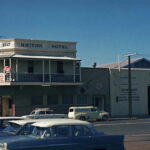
123, 89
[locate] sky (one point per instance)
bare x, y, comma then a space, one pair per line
104, 30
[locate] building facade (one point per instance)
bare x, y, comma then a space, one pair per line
140, 87
140, 91
28, 64
37, 73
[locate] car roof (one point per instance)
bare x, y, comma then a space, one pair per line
23, 122
82, 107
53, 122
11, 118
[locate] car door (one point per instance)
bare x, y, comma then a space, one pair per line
60, 138
94, 113
82, 138
55, 138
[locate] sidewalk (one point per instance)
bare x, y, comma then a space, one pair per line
129, 118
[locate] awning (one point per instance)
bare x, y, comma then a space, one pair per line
46, 57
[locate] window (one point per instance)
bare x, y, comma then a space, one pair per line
49, 112
52, 100
60, 131
93, 109
37, 100
7, 62
80, 130
67, 100
42, 112
60, 67
71, 110
30, 66
82, 100
82, 110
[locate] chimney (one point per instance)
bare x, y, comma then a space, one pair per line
94, 65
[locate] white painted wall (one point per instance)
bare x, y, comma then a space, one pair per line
119, 82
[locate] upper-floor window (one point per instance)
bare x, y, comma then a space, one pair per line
60, 68
30, 66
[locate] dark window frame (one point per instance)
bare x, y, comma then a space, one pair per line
60, 67
30, 66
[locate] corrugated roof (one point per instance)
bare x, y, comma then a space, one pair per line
121, 64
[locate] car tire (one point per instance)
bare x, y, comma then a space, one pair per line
82, 118
105, 118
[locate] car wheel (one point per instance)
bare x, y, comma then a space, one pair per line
105, 118
82, 118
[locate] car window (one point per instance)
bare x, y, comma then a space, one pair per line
82, 110
33, 112
93, 109
60, 131
12, 128
39, 132
42, 112
26, 129
48, 112
70, 110
80, 130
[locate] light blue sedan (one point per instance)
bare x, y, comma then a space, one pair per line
63, 134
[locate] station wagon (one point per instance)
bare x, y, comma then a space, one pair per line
87, 113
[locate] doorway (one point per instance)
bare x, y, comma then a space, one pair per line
6, 106
98, 101
149, 100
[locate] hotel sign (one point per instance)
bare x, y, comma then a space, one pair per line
34, 45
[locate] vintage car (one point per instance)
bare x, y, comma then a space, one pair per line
87, 113
19, 127
4, 121
63, 134
43, 113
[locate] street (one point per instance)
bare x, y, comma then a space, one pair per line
137, 132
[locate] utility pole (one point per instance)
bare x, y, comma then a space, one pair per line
129, 84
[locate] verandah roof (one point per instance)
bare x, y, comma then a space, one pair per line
40, 57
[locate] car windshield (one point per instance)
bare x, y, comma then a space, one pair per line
25, 129
12, 128
32, 113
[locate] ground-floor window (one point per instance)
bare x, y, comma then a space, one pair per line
52, 100
37, 100
67, 99
98, 101
82, 100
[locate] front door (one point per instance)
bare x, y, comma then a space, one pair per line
98, 101
5, 106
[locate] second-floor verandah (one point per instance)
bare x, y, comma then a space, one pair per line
45, 69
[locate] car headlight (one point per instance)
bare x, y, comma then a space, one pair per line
3, 146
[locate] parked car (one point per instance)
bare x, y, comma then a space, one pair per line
4, 121
64, 134
19, 127
42, 113
87, 113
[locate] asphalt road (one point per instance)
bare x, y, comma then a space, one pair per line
137, 132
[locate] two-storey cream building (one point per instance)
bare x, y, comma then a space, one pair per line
35, 73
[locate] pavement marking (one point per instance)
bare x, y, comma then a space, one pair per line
125, 123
